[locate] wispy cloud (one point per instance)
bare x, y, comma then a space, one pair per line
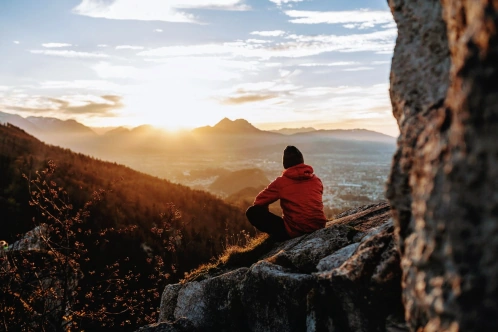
260, 91
296, 46
129, 47
153, 10
190, 50
358, 69
378, 41
70, 54
56, 45
97, 85
102, 45
280, 2
108, 70
17, 42
329, 64
341, 100
158, 30
350, 19
321, 91
272, 33
258, 41
186, 70
247, 98
380, 62
102, 106
266, 86
88, 105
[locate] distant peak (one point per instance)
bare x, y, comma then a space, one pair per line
227, 121
145, 128
238, 125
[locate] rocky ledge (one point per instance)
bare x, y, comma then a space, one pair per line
345, 277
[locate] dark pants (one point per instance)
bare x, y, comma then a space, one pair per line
267, 222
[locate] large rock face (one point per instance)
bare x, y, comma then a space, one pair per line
444, 181
345, 277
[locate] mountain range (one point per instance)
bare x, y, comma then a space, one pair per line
227, 136
48, 126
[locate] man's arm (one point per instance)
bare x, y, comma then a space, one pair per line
268, 195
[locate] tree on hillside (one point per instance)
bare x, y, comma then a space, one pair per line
135, 199
50, 279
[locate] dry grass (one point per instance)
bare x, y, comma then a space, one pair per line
232, 257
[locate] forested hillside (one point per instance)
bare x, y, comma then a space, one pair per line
235, 181
134, 198
129, 198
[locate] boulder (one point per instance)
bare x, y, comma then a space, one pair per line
345, 277
443, 186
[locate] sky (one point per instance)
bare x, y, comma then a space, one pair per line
181, 64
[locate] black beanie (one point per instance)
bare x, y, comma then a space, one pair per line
292, 157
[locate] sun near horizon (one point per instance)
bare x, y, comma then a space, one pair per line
179, 128
277, 64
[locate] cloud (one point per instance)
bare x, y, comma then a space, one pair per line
296, 46
379, 41
249, 98
189, 69
347, 101
190, 50
260, 91
358, 69
56, 45
331, 91
17, 42
266, 87
102, 45
319, 104
390, 25
98, 85
329, 64
158, 30
107, 70
381, 62
280, 2
4, 88
153, 10
103, 106
272, 33
258, 41
129, 47
88, 105
361, 19
70, 54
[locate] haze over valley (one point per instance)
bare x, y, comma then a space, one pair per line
353, 164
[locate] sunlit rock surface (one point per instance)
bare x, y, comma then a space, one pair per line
345, 277
444, 181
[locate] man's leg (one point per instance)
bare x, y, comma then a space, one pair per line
267, 222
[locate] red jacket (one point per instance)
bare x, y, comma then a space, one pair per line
300, 193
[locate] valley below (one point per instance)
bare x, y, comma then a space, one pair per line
352, 164
350, 178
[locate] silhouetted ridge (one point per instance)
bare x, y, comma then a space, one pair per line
291, 131
118, 131
239, 126
233, 182
54, 125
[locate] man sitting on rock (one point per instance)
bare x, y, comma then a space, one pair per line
300, 193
